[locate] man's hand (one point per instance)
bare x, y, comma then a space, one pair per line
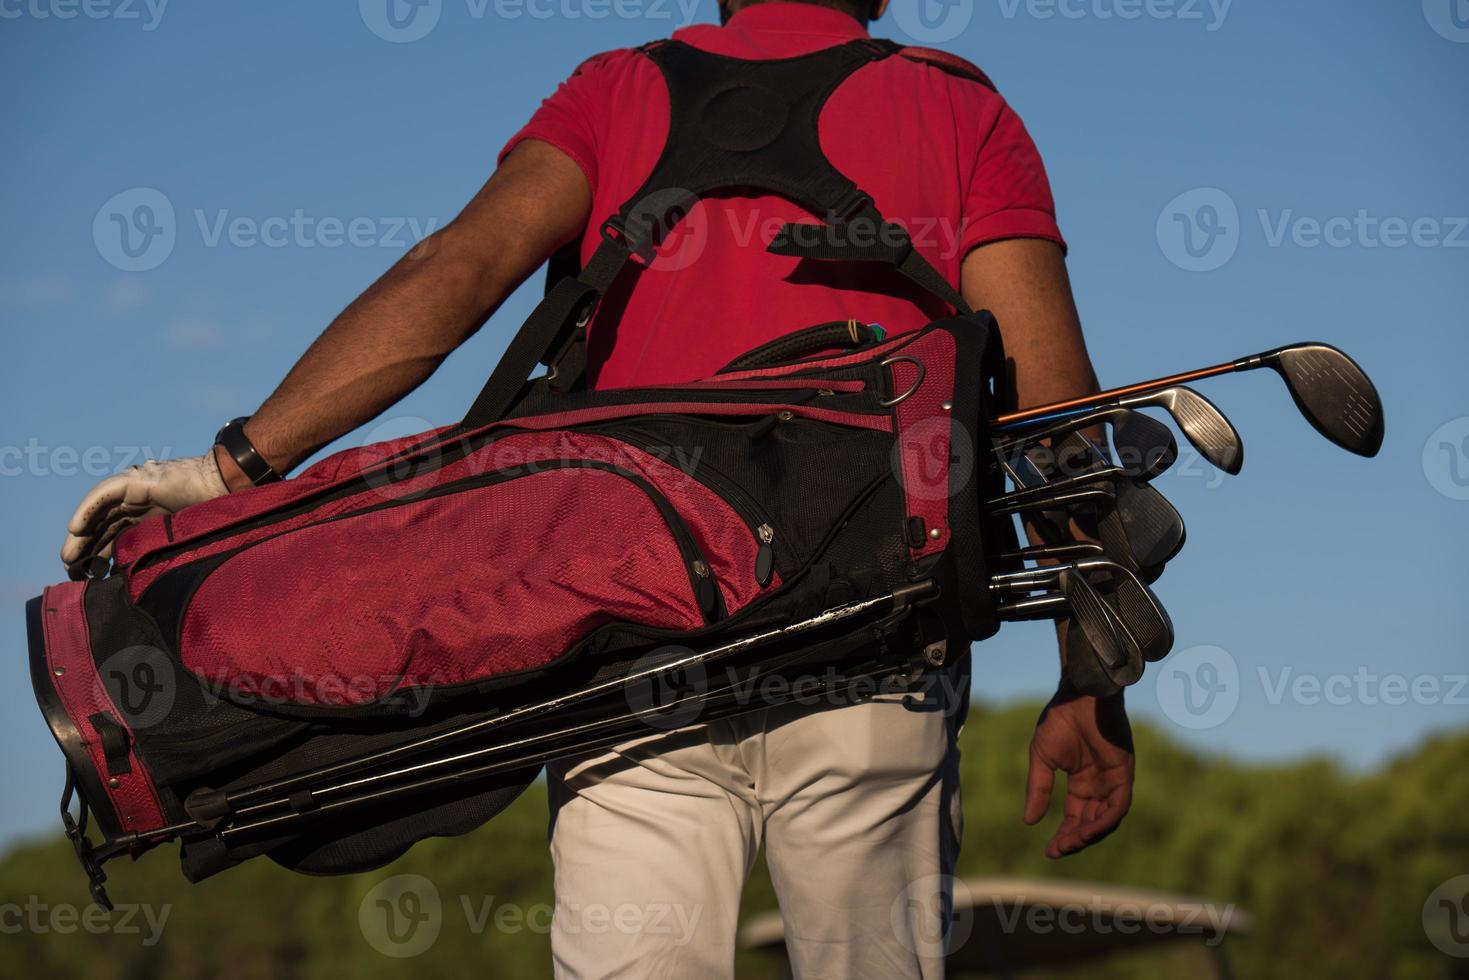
1090, 739
120, 501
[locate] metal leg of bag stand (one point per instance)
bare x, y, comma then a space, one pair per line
221, 809
600, 734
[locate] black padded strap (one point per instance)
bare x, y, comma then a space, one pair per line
554, 334
734, 123
867, 237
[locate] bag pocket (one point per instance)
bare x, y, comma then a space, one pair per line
490, 576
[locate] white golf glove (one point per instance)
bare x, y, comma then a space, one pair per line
120, 501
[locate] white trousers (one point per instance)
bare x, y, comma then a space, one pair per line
857, 808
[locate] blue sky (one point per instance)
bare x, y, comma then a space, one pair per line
1230, 176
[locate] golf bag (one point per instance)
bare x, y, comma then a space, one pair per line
388, 646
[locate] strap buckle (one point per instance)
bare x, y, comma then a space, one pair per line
615, 230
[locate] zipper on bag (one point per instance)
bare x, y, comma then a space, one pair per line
745, 505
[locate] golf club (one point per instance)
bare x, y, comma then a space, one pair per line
1142, 530
1200, 421
1143, 446
1330, 389
1139, 612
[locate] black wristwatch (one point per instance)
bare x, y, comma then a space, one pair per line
232, 437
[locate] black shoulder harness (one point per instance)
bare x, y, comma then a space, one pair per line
733, 123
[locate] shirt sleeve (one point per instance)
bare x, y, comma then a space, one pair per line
1008, 195
568, 119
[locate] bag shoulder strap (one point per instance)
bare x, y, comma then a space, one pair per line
733, 123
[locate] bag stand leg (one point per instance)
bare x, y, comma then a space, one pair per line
284, 804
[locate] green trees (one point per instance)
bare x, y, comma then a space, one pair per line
1333, 867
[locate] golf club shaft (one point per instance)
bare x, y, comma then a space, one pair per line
1085, 402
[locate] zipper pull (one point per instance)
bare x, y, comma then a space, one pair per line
705, 592
764, 555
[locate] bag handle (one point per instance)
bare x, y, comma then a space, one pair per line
850, 334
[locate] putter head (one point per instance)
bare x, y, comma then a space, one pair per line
1205, 427
1332, 392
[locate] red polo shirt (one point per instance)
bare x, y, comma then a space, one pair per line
942, 155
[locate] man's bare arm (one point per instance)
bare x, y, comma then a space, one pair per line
393, 336
1023, 282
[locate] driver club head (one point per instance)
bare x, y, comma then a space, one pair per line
1331, 391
